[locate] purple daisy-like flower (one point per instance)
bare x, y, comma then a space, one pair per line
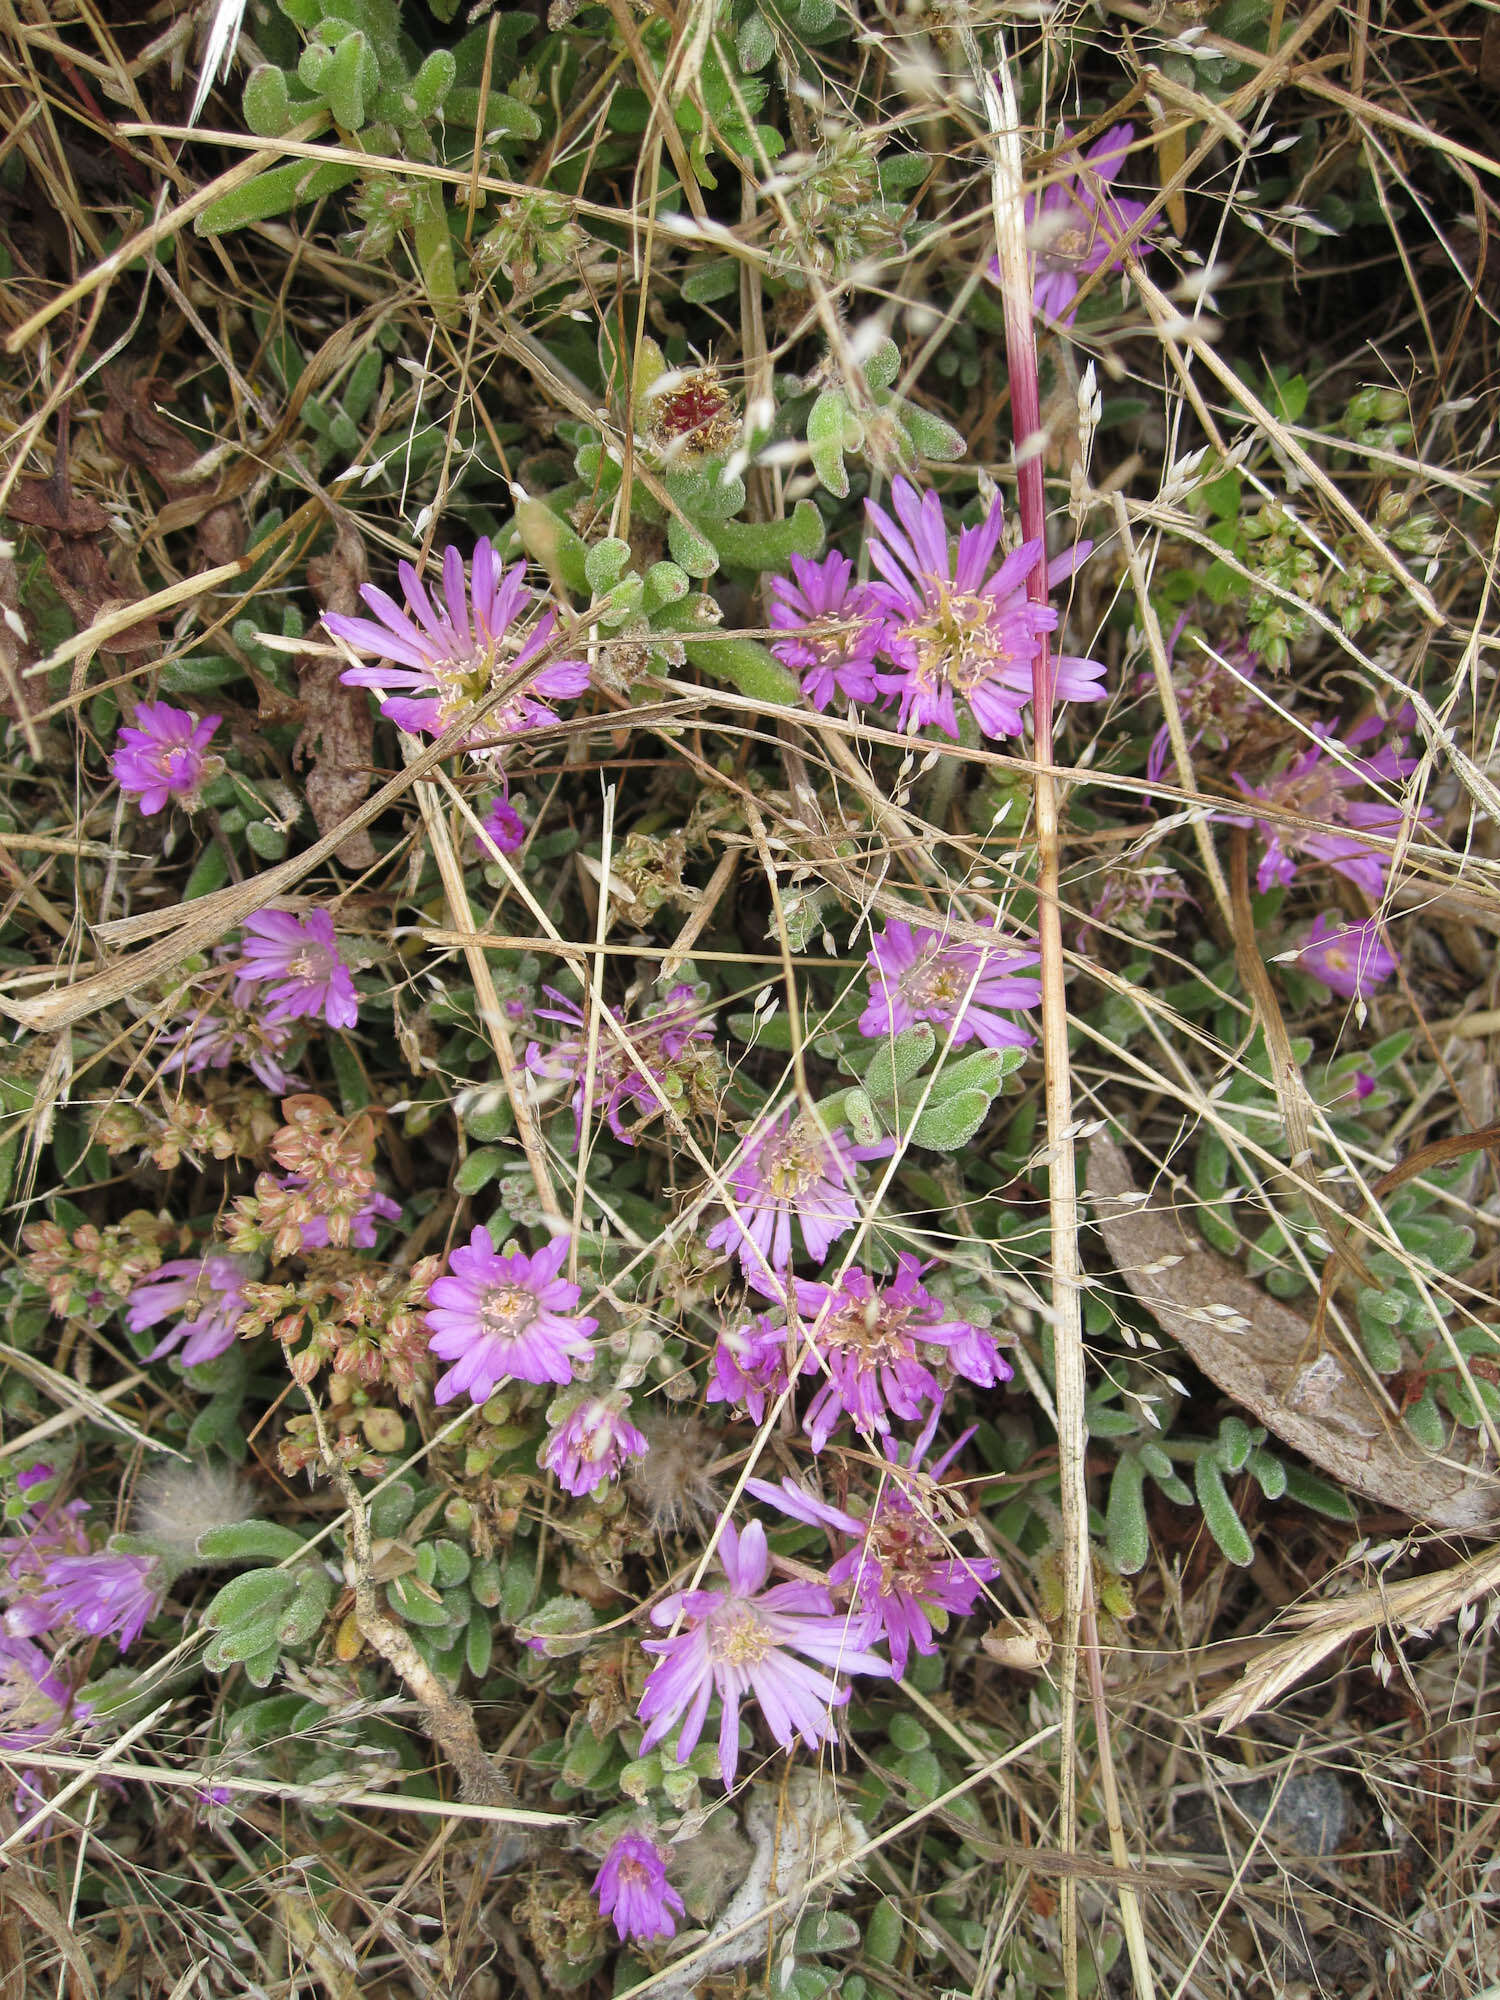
502, 828
505, 1318
215, 1037
750, 1366
1079, 227
163, 754
1350, 959
441, 661
957, 628
105, 1595
869, 1340
209, 1294
632, 1887
592, 1444
1325, 790
833, 627
901, 1568
39, 1536
919, 975
34, 1700
362, 1225
42, 1533
297, 959
743, 1641
623, 1076
790, 1169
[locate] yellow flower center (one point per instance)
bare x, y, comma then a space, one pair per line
872, 1328
1069, 246
956, 642
507, 1310
741, 1639
793, 1164
935, 980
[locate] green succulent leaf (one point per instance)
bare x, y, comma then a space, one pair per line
1311, 1490
479, 1169
267, 103
249, 1541
273, 193
833, 429
883, 1930
747, 665
305, 1614
1127, 1534
896, 1062
259, 1596
861, 1117
943, 1128
932, 436
1223, 1523
554, 543
883, 364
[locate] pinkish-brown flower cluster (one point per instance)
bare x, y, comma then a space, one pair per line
359, 1319
326, 1198
89, 1274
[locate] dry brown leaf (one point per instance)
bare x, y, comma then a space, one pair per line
39, 503
1263, 1355
83, 580
138, 433
339, 731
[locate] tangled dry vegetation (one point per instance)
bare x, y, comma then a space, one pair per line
652, 297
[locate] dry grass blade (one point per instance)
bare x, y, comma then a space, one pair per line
1419, 1606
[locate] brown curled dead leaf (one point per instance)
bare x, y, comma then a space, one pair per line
339, 732
1264, 1356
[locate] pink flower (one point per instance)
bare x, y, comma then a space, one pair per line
632, 1888
34, 1701
43, 1533
1079, 227
592, 1444
443, 663
301, 957
918, 975
163, 755
378, 1208
105, 1595
750, 1365
214, 1037
957, 628
789, 1169
659, 1039
833, 629
900, 1566
501, 828
869, 1340
742, 1641
207, 1291
1326, 790
1350, 959
505, 1318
